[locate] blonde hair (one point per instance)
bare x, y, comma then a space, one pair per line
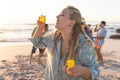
83, 25
74, 15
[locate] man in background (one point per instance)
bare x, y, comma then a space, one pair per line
99, 40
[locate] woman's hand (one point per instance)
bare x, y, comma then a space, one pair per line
75, 71
78, 71
40, 29
40, 24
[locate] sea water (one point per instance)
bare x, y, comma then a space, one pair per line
21, 32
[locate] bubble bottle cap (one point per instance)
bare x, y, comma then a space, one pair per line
42, 19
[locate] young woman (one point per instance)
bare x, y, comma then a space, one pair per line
67, 42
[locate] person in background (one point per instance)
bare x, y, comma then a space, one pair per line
67, 43
87, 31
41, 51
89, 28
99, 40
46, 28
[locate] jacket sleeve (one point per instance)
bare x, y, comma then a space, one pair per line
88, 58
43, 41
92, 65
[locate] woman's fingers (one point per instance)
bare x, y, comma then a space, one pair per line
70, 71
75, 71
42, 25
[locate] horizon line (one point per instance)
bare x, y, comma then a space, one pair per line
33, 23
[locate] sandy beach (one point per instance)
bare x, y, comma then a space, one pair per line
14, 61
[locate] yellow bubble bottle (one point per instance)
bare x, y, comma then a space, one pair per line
70, 63
42, 18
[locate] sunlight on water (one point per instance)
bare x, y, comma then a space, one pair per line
16, 32
21, 32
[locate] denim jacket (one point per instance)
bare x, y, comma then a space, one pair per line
55, 64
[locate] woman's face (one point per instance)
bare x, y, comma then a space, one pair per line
63, 19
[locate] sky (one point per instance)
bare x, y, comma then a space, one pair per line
27, 11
